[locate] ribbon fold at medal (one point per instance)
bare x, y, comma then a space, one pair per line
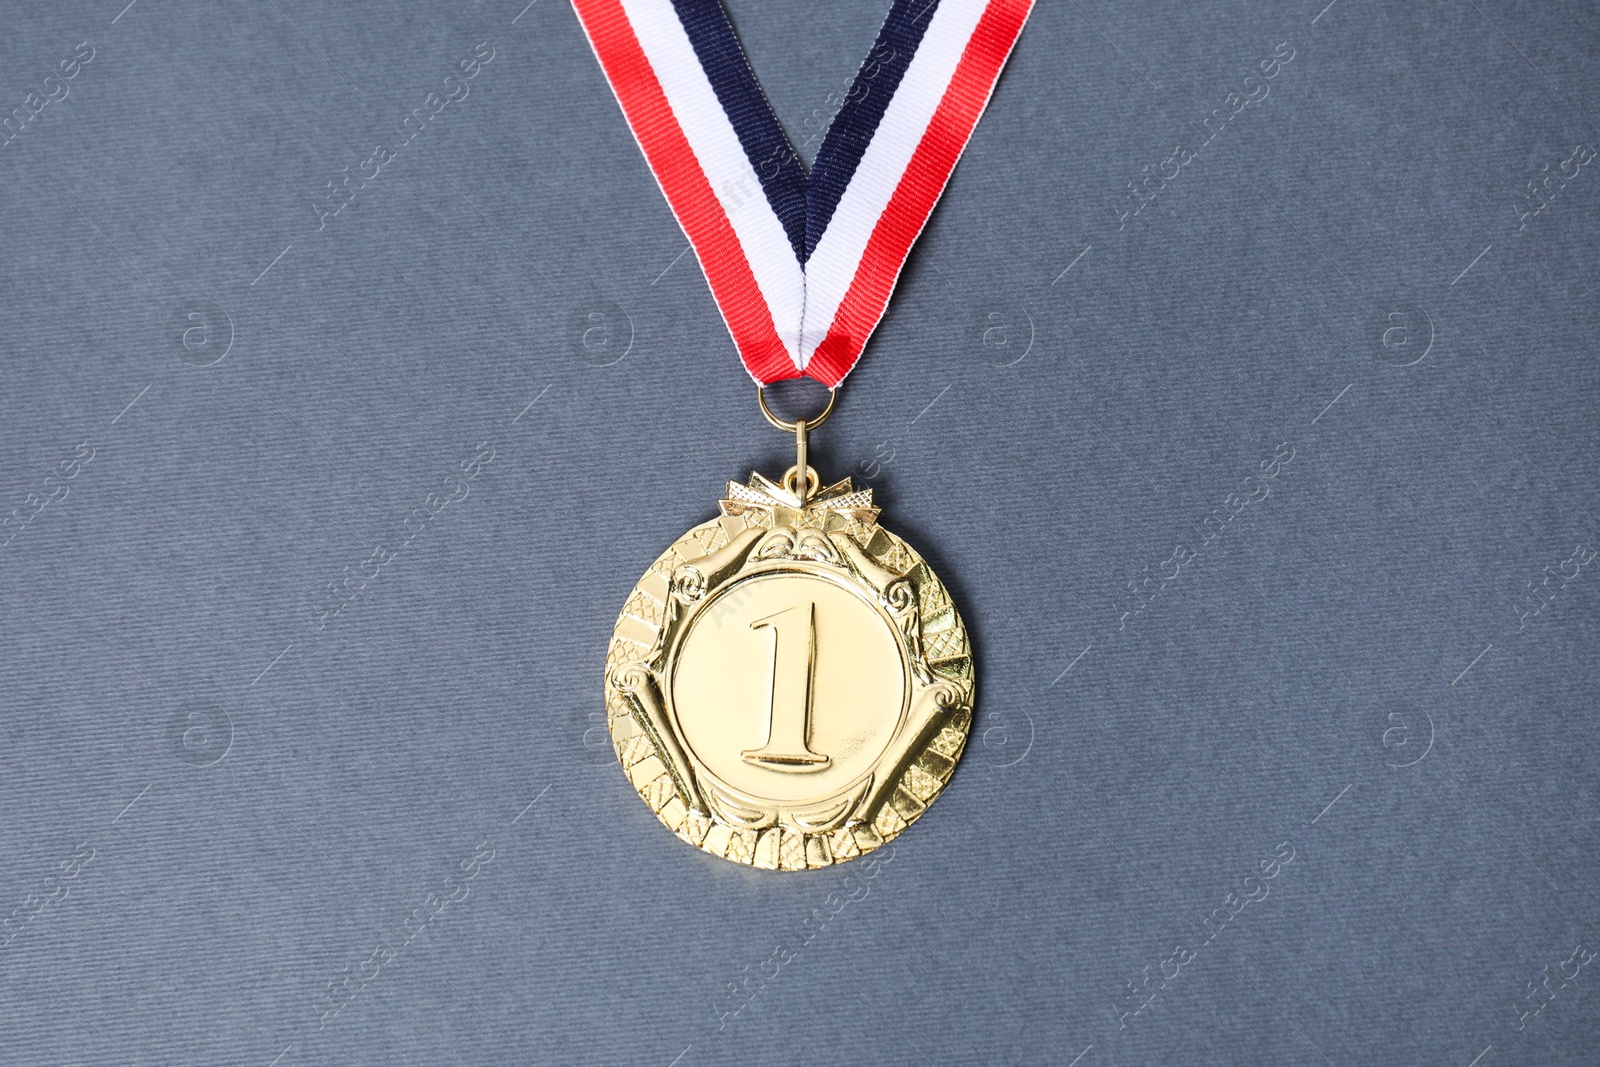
801, 264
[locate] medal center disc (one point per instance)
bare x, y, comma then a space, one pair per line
788, 686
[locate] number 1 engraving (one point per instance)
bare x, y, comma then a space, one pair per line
794, 647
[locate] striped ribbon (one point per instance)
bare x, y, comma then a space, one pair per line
803, 272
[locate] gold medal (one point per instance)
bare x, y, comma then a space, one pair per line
789, 685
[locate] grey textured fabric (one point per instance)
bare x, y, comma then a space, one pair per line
1242, 388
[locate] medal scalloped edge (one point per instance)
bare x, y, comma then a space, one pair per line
832, 533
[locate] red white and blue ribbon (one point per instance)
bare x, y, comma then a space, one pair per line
802, 265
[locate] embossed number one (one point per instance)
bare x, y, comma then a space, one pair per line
794, 646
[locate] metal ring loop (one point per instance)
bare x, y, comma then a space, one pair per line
791, 427
791, 481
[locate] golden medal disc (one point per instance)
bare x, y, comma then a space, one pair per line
789, 685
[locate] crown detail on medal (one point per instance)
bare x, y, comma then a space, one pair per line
781, 506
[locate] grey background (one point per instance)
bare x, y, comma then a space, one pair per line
1052, 405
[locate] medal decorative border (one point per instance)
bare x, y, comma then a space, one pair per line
939, 646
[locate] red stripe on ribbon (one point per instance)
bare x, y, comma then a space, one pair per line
690, 195
919, 190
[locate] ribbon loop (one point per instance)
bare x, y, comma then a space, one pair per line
803, 272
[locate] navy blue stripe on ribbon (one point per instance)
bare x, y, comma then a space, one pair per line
857, 120
803, 204
776, 163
